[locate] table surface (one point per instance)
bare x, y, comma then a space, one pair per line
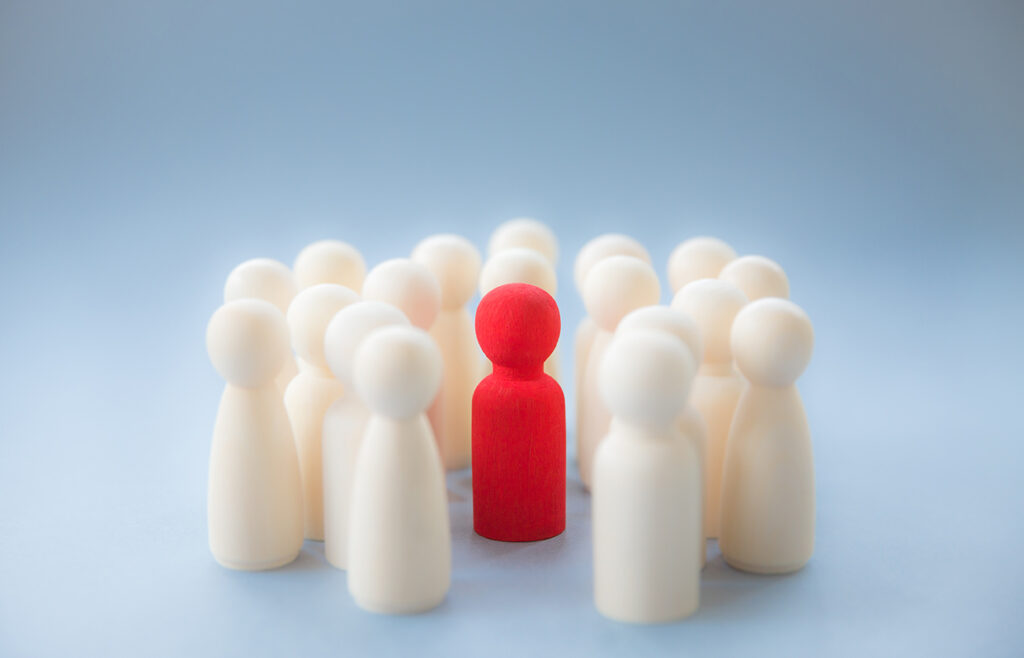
876, 152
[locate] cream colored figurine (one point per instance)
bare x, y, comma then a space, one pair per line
757, 277
614, 287
679, 325
330, 261
254, 499
399, 533
524, 233
768, 485
646, 489
521, 265
412, 288
313, 390
713, 304
455, 263
697, 258
269, 280
345, 420
597, 249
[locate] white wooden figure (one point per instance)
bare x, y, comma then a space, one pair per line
614, 287
524, 233
399, 534
416, 292
757, 277
455, 263
697, 258
597, 249
330, 261
521, 265
768, 485
713, 304
345, 420
313, 390
646, 489
254, 498
679, 325
272, 281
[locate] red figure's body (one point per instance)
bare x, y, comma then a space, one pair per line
518, 419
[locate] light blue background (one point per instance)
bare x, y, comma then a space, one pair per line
875, 149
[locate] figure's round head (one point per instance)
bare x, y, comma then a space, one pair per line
772, 340
262, 278
454, 262
330, 261
698, 258
308, 316
617, 285
645, 377
247, 341
518, 265
517, 325
758, 277
349, 327
601, 247
713, 304
669, 320
408, 285
397, 371
524, 232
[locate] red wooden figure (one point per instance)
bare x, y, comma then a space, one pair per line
518, 419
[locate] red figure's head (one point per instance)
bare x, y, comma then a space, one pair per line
517, 326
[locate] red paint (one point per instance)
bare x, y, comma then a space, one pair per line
518, 419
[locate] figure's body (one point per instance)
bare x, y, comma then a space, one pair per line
521, 265
254, 503
416, 292
679, 325
697, 258
399, 532
518, 419
455, 263
313, 390
597, 249
646, 488
272, 281
768, 483
614, 287
346, 419
713, 304
757, 277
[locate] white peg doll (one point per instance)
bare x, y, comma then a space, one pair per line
254, 499
646, 489
455, 263
416, 292
313, 390
614, 287
697, 258
679, 325
521, 265
524, 233
269, 280
399, 532
330, 261
713, 304
345, 420
757, 277
768, 484
594, 251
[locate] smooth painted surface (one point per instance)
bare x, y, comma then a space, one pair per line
874, 150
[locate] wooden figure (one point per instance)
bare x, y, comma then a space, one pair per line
697, 258
518, 419
757, 277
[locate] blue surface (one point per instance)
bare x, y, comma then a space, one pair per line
876, 150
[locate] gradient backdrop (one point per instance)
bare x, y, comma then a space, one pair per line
875, 149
